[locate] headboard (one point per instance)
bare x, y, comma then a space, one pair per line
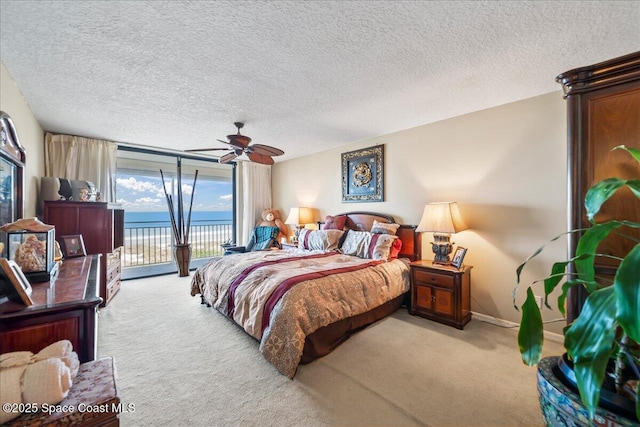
363, 221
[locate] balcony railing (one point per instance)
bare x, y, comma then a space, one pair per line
150, 245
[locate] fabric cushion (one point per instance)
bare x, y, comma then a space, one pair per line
264, 237
364, 244
326, 240
334, 222
395, 249
384, 228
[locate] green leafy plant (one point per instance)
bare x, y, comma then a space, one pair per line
608, 325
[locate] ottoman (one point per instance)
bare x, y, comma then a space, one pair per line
92, 400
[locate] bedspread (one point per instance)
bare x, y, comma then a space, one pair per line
280, 297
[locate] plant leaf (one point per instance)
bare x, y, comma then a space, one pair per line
565, 291
530, 335
635, 152
557, 273
638, 402
587, 246
538, 251
634, 186
627, 290
589, 376
600, 193
589, 343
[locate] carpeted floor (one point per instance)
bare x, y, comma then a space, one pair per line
182, 363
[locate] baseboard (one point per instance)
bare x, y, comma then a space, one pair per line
551, 336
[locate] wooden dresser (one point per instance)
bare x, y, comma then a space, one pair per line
64, 308
102, 229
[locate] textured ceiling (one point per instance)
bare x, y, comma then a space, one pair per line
304, 76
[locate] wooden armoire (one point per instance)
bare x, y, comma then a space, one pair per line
603, 111
102, 229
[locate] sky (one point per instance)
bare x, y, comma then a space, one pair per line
145, 194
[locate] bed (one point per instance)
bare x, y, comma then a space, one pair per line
302, 303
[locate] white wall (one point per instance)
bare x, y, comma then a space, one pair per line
506, 168
30, 134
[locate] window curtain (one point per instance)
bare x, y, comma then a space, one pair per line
256, 195
85, 159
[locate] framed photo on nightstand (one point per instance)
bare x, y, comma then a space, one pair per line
458, 257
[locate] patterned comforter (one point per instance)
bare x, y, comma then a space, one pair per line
280, 297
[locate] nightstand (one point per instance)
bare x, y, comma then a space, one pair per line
441, 293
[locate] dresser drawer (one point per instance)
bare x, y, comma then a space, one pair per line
429, 278
113, 288
113, 271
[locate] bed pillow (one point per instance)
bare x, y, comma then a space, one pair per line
326, 240
395, 249
334, 222
364, 244
384, 228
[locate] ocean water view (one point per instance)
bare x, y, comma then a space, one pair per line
148, 238
161, 219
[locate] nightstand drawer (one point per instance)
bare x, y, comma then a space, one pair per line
429, 278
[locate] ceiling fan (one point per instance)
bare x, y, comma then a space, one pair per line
258, 153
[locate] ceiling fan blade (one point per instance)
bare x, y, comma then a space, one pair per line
233, 144
259, 158
228, 157
265, 150
239, 141
195, 150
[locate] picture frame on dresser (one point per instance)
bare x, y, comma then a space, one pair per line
458, 257
73, 246
13, 283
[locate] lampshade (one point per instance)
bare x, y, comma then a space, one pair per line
441, 217
299, 216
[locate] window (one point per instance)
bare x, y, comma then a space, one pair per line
148, 229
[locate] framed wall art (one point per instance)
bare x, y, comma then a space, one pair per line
362, 175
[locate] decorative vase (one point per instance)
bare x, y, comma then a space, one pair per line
182, 255
561, 405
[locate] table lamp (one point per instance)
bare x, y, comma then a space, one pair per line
298, 217
441, 218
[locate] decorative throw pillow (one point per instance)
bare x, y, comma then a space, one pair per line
326, 240
395, 249
384, 228
334, 222
364, 244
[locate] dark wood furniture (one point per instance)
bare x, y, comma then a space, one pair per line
102, 228
603, 111
64, 308
363, 221
12, 164
441, 293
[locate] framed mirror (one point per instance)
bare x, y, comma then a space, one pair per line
12, 161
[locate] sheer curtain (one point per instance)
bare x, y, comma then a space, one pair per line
256, 195
85, 159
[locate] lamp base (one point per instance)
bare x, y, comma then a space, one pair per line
296, 233
441, 247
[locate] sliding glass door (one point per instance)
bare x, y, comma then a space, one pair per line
206, 220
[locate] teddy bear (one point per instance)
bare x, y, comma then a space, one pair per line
271, 217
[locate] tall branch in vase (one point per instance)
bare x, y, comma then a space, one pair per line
179, 226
